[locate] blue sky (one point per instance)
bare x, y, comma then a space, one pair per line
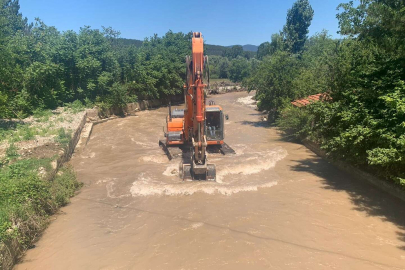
222, 22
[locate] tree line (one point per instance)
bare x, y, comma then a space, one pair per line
44, 68
363, 74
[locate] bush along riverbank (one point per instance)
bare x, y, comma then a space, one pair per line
356, 146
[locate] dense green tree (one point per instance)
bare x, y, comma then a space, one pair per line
233, 52
239, 69
11, 71
365, 123
273, 81
11, 19
269, 48
159, 69
44, 68
263, 50
224, 68
277, 43
299, 18
219, 67
317, 70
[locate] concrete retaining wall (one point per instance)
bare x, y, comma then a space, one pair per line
155, 103
146, 105
357, 173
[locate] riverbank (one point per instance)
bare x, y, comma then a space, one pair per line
34, 181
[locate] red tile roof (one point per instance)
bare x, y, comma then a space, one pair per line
314, 98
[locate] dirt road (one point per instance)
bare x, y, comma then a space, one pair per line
276, 206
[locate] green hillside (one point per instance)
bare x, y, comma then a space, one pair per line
209, 48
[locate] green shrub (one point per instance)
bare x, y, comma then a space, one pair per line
7, 128
119, 97
11, 152
116, 101
273, 82
295, 122
23, 132
23, 194
27, 132
27, 199
76, 106
16, 131
64, 186
103, 109
63, 137
88, 103
42, 115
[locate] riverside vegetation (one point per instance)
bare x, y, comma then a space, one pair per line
363, 122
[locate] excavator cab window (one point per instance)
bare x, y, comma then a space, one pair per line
214, 124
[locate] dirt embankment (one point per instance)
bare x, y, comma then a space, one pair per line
42, 136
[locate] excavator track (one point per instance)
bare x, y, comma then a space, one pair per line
223, 149
171, 152
227, 150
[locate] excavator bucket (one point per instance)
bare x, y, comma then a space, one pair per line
211, 172
187, 173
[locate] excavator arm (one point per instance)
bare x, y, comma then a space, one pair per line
195, 111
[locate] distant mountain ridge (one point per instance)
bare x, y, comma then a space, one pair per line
211, 49
128, 41
249, 48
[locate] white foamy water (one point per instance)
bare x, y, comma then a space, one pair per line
111, 190
262, 161
155, 159
197, 225
172, 170
249, 101
149, 188
89, 155
239, 149
144, 144
231, 179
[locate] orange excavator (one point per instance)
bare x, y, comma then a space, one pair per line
198, 127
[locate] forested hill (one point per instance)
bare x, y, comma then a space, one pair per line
127, 41
210, 49
249, 48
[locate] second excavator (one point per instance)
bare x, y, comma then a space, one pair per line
198, 128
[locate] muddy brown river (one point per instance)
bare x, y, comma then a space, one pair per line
276, 205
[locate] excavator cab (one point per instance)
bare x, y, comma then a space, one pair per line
214, 125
